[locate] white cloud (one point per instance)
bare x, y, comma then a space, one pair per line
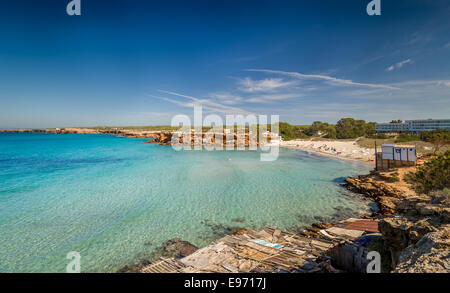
390, 68
425, 84
320, 98
179, 103
399, 64
332, 80
265, 85
272, 98
227, 98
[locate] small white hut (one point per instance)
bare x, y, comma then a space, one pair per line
403, 153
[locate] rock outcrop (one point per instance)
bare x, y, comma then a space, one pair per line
431, 254
400, 234
366, 184
386, 196
395, 232
163, 138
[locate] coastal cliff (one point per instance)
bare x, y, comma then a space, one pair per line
414, 226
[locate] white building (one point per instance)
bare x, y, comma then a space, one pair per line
413, 126
394, 152
391, 127
428, 125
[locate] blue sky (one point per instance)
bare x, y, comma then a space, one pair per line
142, 62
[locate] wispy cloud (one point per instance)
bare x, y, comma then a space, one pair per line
330, 79
399, 65
265, 85
304, 97
179, 103
205, 103
227, 98
265, 99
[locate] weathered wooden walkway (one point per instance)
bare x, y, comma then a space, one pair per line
268, 250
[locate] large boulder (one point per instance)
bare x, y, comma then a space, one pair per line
440, 211
396, 235
425, 209
395, 232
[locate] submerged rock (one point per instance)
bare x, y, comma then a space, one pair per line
220, 230
173, 248
177, 248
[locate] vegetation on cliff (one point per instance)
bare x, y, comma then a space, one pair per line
290, 132
343, 129
433, 175
351, 128
438, 137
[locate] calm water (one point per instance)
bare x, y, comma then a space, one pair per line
107, 197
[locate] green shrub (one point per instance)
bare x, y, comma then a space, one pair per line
394, 179
407, 137
290, 132
380, 136
433, 175
328, 130
351, 128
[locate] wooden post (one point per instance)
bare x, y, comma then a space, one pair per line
376, 154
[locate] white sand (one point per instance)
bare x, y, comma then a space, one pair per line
336, 148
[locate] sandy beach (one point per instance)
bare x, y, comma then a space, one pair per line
349, 150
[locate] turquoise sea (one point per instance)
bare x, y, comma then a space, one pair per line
115, 199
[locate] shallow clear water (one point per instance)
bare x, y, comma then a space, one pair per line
107, 196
